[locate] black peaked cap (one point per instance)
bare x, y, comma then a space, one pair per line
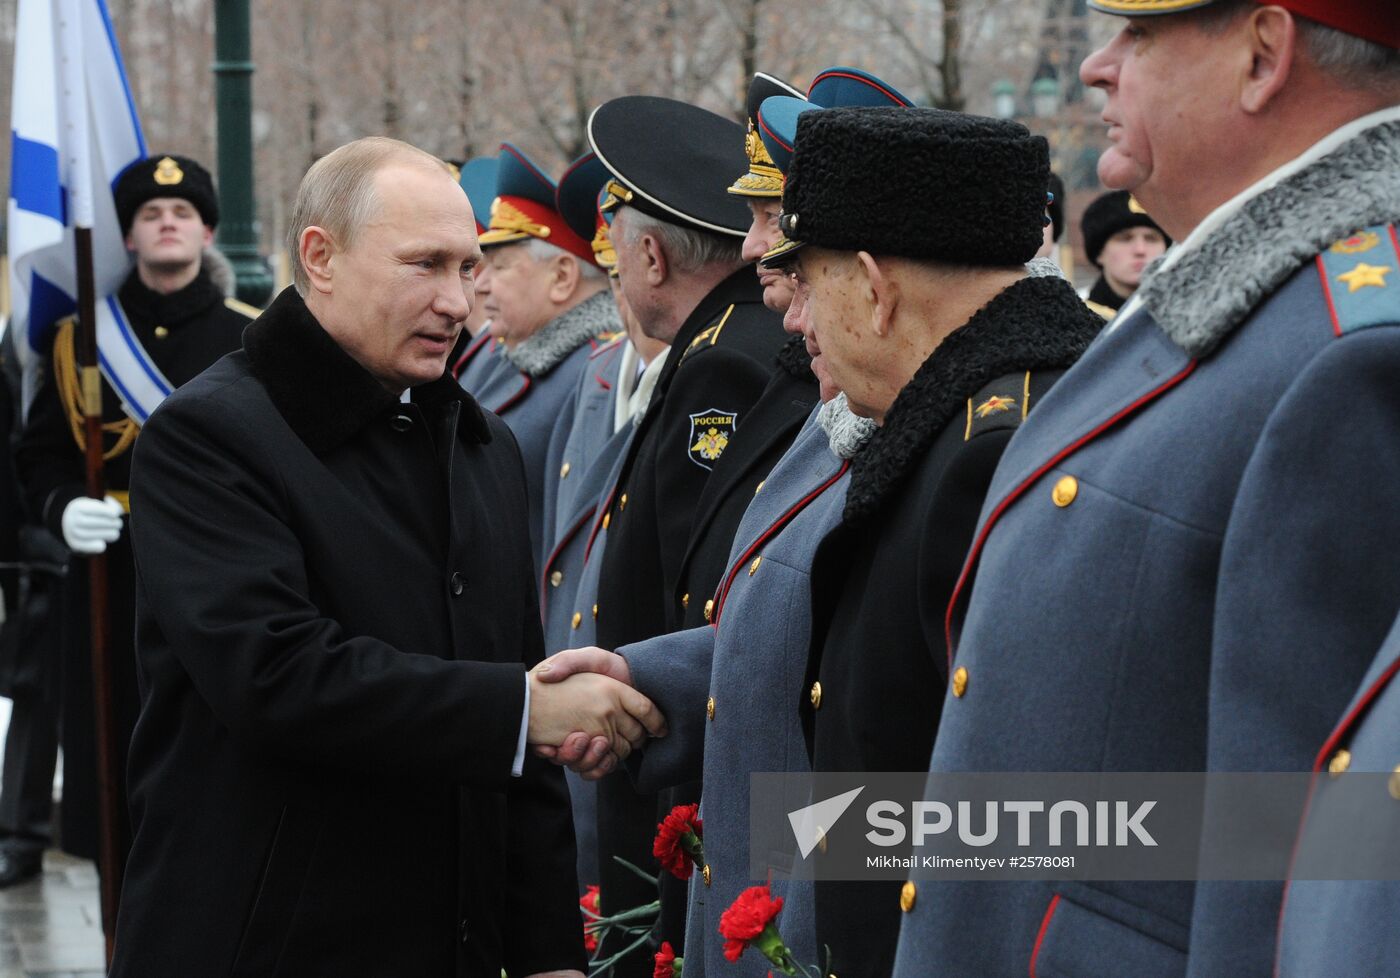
675, 159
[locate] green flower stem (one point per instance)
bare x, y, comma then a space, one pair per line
604, 966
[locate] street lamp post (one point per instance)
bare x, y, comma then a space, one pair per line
1004, 99
233, 74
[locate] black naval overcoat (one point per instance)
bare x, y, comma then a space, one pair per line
184, 332
721, 360
881, 579
776, 418
336, 608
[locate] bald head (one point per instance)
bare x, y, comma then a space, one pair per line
340, 194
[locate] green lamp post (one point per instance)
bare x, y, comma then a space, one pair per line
233, 91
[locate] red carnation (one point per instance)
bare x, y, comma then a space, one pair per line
678, 841
589, 903
749, 919
667, 964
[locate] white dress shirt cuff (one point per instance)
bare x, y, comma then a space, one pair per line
518, 767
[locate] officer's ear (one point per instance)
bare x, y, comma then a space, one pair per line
564, 274
879, 290
316, 248
656, 263
1272, 36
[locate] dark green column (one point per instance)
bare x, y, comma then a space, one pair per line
233, 93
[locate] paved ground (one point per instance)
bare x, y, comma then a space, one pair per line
50, 926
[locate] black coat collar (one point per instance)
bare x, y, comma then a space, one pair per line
151, 308
1035, 324
1103, 294
739, 286
321, 391
795, 360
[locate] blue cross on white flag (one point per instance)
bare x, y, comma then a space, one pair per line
75, 130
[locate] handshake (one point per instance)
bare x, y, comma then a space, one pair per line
585, 714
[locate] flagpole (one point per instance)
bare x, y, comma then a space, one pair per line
78, 166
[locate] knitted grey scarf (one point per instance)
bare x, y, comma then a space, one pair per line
848, 432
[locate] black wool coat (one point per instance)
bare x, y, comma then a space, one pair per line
335, 610
882, 579
776, 418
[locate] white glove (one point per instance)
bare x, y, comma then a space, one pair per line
90, 524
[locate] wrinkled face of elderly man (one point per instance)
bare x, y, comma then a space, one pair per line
396, 296
530, 283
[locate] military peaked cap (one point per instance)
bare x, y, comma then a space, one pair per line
478, 179
672, 160
525, 207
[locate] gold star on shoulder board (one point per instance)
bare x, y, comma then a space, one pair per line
994, 405
1363, 275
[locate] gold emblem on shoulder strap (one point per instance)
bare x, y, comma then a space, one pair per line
168, 172
1359, 243
995, 404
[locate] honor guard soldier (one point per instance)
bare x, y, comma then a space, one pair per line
476, 357
550, 308
678, 236
947, 345
177, 322
1120, 239
1186, 561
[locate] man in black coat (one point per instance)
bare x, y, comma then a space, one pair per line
678, 236
934, 329
336, 610
780, 410
183, 322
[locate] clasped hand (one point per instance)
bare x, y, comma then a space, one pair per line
585, 714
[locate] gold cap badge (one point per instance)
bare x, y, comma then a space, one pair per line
168, 172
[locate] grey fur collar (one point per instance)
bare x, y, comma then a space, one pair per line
1200, 298
847, 431
565, 333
